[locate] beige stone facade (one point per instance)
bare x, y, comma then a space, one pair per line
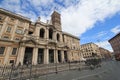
89, 50
22, 41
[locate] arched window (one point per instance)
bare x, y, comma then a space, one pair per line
58, 37
42, 32
50, 33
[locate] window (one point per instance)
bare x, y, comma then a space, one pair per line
30, 32
2, 49
1, 26
21, 22
5, 37
42, 32
0, 18
14, 51
19, 31
50, 33
58, 37
11, 61
12, 19
17, 39
8, 29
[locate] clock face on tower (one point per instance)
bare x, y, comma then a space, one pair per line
56, 20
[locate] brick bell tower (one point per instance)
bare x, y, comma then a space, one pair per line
56, 20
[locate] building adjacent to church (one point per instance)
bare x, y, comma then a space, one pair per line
90, 51
23, 41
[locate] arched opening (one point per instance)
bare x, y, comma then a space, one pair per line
42, 32
58, 37
50, 33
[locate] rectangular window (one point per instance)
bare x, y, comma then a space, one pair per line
8, 29
5, 37
2, 49
12, 19
0, 18
19, 31
1, 26
17, 39
11, 61
14, 51
21, 22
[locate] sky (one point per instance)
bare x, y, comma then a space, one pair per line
94, 21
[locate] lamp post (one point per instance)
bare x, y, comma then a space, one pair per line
79, 63
12, 66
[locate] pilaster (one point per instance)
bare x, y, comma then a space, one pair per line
62, 56
46, 56
55, 56
7, 55
20, 56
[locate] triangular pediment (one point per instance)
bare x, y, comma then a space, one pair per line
30, 41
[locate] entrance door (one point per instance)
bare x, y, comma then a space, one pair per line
28, 55
40, 56
51, 56
65, 56
59, 56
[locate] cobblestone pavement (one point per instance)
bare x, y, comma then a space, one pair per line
110, 70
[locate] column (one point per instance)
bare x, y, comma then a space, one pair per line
7, 55
35, 56
20, 56
46, 56
62, 56
55, 56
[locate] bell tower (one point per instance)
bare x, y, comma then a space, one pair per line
56, 20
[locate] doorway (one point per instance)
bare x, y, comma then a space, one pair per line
51, 56
28, 55
40, 56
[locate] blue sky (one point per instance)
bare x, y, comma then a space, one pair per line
92, 20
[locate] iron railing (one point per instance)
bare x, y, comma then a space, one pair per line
32, 71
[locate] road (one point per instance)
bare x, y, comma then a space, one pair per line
110, 70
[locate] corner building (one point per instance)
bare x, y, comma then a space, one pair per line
115, 43
90, 51
22, 41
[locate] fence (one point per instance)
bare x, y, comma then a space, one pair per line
33, 71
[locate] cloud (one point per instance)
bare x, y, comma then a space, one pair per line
105, 44
78, 19
40, 2
102, 33
78, 16
116, 29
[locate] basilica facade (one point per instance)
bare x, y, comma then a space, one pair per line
23, 41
